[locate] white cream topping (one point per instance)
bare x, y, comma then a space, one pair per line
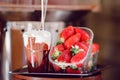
41, 36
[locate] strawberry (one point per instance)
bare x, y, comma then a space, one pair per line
57, 51
75, 49
66, 33
82, 45
78, 57
74, 71
65, 56
60, 47
72, 40
78, 47
84, 35
95, 48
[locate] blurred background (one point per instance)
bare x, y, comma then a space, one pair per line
102, 16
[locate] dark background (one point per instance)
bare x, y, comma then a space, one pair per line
105, 25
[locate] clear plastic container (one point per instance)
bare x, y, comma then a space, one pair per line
62, 67
92, 64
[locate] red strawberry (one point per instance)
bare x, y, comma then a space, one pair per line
78, 57
72, 40
65, 56
95, 48
82, 45
80, 65
74, 71
84, 35
66, 33
60, 47
57, 50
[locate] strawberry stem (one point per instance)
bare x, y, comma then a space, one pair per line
60, 41
75, 49
56, 54
74, 67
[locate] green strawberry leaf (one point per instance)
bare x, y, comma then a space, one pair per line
61, 40
75, 49
56, 54
74, 67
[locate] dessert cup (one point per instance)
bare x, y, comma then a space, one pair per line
37, 44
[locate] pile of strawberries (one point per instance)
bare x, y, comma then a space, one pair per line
71, 47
